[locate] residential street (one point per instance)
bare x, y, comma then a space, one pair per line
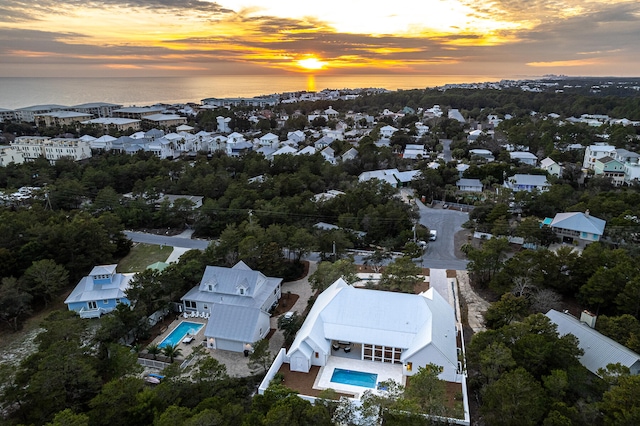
440, 254
183, 240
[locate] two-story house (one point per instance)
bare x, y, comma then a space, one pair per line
237, 301
610, 168
576, 228
99, 292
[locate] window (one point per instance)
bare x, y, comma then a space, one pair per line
92, 305
409, 366
210, 287
241, 290
190, 304
117, 301
317, 355
105, 301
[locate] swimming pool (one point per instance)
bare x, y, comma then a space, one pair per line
178, 333
354, 378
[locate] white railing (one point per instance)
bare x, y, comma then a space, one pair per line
92, 313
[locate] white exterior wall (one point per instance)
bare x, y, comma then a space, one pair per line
299, 362
10, 155
229, 345
429, 354
594, 152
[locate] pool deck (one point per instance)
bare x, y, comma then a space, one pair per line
385, 371
186, 348
180, 339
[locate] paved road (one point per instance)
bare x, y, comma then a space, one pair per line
446, 149
175, 241
440, 254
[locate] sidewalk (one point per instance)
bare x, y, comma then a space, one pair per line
179, 251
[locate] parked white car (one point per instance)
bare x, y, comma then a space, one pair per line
433, 235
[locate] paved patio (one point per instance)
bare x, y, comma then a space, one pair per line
385, 371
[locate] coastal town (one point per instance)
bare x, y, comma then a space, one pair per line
466, 254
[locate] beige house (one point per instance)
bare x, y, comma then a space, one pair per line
60, 118
165, 120
120, 124
136, 112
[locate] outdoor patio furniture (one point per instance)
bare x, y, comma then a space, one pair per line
188, 339
336, 347
347, 348
186, 314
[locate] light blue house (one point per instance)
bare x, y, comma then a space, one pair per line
576, 228
99, 292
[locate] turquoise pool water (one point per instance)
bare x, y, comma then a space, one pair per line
180, 331
354, 378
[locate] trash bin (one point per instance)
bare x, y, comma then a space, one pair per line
246, 352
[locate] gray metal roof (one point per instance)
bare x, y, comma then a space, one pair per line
599, 350
234, 323
578, 221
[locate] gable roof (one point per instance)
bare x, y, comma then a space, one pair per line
578, 221
400, 320
546, 163
599, 350
226, 283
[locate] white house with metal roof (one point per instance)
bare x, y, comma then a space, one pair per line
576, 227
384, 327
599, 350
524, 157
387, 131
393, 177
523, 182
469, 185
237, 301
593, 152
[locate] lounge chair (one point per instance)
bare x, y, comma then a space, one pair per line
202, 314
207, 315
185, 314
194, 314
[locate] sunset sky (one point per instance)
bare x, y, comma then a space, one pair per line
81, 38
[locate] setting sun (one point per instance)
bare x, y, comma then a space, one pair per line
311, 63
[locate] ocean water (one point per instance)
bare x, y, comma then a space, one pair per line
17, 92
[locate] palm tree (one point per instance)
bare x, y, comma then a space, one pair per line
153, 349
172, 351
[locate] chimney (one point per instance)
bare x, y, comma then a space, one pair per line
586, 213
588, 318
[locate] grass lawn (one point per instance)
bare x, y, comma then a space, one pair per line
143, 255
